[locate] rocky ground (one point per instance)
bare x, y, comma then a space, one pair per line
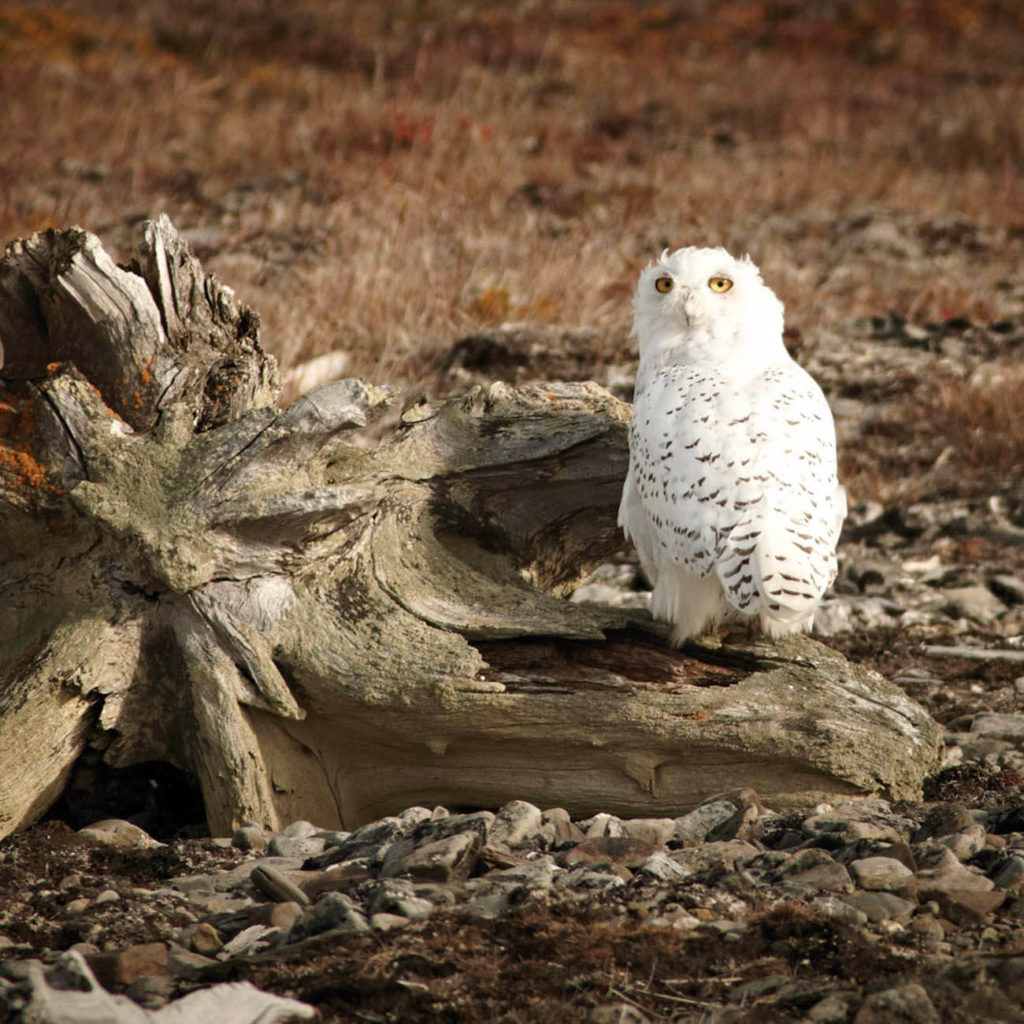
865, 911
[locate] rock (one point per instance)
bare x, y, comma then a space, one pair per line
295, 846
534, 876
106, 897
445, 860
117, 832
115, 970
695, 826
333, 911
249, 837
944, 873
663, 868
202, 938
75, 907
283, 916
840, 910
736, 826
965, 843
183, 963
715, 857
830, 1010
1010, 876
977, 602
655, 831
516, 823
1007, 727
369, 841
881, 906
607, 849
298, 830
831, 877
150, 991
876, 873
968, 907
602, 825
559, 827
908, 1004
591, 878
398, 896
1009, 589
388, 922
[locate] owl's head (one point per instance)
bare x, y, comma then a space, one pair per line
708, 297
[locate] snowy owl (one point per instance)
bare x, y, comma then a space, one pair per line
731, 498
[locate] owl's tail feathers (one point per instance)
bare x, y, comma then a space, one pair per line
692, 603
791, 570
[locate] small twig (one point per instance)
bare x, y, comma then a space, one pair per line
973, 653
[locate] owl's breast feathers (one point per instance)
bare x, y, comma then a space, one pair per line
737, 476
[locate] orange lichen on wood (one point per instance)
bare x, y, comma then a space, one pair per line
19, 468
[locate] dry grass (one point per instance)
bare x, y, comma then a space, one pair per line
385, 177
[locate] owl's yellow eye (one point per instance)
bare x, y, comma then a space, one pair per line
719, 284
664, 284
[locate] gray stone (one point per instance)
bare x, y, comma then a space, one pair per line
413, 816
1008, 588
662, 867
487, 905
999, 726
830, 1010
534, 875
907, 1004
736, 826
977, 602
965, 843
879, 872
830, 877
249, 837
725, 856
295, 846
840, 910
558, 827
881, 906
370, 841
444, 860
388, 922
945, 873
118, 832
695, 826
656, 831
515, 824
602, 825
1010, 876
333, 911
398, 896
590, 879
299, 830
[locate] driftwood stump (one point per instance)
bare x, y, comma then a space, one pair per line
320, 626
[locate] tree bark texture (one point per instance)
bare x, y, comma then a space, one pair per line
322, 623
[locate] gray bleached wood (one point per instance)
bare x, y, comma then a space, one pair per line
324, 626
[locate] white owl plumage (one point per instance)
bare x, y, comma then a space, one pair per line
732, 498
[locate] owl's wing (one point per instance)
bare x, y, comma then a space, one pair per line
691, 474
781, 558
